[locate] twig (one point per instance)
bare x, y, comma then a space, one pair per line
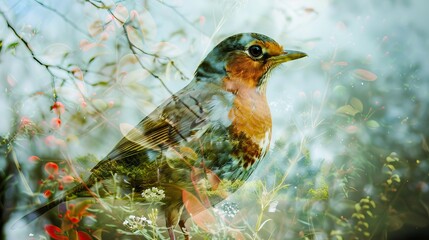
156, 56
182, 17
27, 45
21, 175
63, 17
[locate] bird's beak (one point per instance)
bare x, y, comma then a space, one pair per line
288, 55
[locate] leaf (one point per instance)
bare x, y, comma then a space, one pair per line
357, 207
168, 71
95, 28
342, 63
167, 49
197, 174
391, 167
134, 36
101, 83
55, 52
372, 124
80, 208
396, 178
83, 236
147, 25
347, 110
391, 159
262, 225
92, 59
356, 104
100, 104
213, 179
188, 153
128, 59
351, 129
131, 79
1, 45
97, 234
120, 14
12, 46
55, 232
364, 75
199, 214
340, 90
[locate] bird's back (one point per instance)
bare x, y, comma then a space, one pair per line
202, 126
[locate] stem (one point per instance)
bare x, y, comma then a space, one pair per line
63, 17
21, 174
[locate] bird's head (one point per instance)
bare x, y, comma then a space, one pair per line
245, 59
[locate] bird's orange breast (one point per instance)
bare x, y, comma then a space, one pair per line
250, 115
250, 120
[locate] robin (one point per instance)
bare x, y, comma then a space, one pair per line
222, 117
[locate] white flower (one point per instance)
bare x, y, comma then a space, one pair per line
153, 194
228, 209
136, 223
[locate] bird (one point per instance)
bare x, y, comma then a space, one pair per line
219, 125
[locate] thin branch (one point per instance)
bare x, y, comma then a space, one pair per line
20, 173
156, 56
103, 6
48, 67
182, 17
63, 17
27, 45
132, 46
175, 98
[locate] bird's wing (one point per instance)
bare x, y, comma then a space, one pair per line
181, 117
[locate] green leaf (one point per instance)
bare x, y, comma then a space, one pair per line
372, 204
347, 110
356, 104
372, 124
92, 59
100, 104
12, 46
391, 167
396, 178
1, 45
340, 90
391, 159
357, 207
101, 83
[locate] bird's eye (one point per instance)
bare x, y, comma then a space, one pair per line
255, 51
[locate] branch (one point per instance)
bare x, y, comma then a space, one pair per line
156, 56
132, 46
182, 17
63, 17
48, 67
27, 45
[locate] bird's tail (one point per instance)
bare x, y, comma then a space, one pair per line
69, 195
29, 217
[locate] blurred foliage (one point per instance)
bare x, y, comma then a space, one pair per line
352, 162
